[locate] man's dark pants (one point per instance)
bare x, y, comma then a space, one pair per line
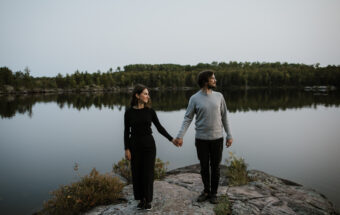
209, 153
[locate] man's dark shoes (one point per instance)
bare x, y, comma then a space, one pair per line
204, 196
213, 199
141, 205
148, 206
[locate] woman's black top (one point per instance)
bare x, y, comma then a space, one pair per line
138, 123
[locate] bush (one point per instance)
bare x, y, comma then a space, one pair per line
123, 168
236, 173
92, 190
160, 168
223, 207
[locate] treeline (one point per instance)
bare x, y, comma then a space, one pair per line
232, 74
24, 80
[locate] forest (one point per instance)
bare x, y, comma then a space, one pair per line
228, 75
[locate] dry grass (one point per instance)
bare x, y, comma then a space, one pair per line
123, 168
160, 169
92, 190
236, 173
223, 207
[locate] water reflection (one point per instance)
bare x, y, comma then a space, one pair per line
37, 154
250, 100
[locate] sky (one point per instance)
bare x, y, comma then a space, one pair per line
51, 37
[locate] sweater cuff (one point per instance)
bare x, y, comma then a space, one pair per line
170, 138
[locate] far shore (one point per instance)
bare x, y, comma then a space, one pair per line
9, 90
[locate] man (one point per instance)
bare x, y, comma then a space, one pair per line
211, 117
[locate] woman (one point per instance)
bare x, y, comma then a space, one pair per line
140, 145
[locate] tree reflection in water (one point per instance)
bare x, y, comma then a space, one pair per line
237, 100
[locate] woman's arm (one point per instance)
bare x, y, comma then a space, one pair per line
159, 127
126, 131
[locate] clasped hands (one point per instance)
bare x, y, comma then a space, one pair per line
178, 142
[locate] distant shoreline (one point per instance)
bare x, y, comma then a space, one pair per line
10, 90
85, 90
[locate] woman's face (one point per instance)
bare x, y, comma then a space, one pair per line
143, 96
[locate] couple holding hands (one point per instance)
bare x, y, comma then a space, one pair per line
211, 117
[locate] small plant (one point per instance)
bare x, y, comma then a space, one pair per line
123, 168
236, 173
92, 190
223, 207
160, 168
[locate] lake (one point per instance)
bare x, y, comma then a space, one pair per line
291, 134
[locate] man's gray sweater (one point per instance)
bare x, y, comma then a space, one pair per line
211, 116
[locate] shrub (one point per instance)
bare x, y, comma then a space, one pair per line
223, 207
160, 168
236, 173
123, 168
92, 190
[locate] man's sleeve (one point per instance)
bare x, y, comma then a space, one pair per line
189, 115
225, 118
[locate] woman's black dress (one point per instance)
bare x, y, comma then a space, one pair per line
139, 140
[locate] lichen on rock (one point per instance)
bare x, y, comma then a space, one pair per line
177, 193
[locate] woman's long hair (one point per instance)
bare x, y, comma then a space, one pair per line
139, 88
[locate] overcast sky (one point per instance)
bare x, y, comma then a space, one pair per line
61, 36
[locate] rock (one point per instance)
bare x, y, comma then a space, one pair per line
272, 195
168, 199
187, 169
177, 193
195, 168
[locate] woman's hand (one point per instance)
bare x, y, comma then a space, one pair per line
128, 154
175, 142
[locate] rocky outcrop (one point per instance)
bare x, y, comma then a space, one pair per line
177, 193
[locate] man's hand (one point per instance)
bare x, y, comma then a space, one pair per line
174, 141
229, 142
179, 141
127, 154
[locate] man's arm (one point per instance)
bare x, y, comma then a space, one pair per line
188, 117
225, 118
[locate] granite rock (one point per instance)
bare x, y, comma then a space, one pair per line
266, 194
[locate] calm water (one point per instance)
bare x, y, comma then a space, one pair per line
290, 134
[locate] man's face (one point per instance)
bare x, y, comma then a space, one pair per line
212, 82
